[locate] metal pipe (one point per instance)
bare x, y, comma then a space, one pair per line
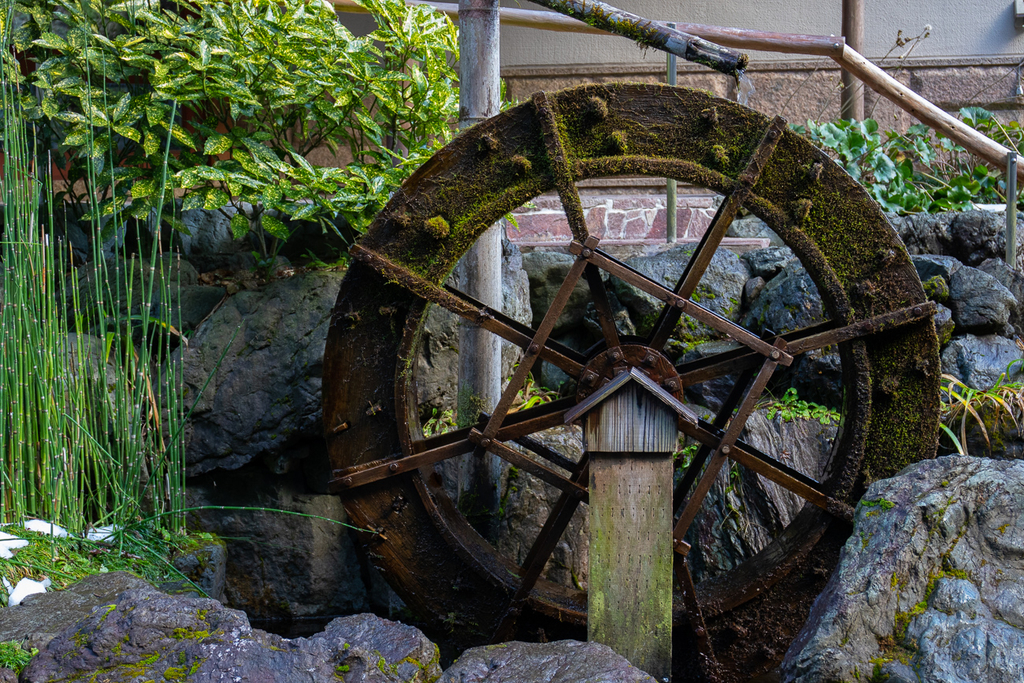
480, 268
670, 183
1011, 210
851, 105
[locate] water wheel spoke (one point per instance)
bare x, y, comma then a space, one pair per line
799, 342
604, 308
554, 352
549, 454
712, 238
360, 475
724, 447
469, 309
709, 318
694, 614
704, 451
555, 525
537, 344
539, 470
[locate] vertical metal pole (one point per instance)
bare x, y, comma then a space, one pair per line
479, 350
851, 104
1011, 209
670, 183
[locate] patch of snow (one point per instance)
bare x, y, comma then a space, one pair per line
25, 588
42, 527
9, 543
102, 533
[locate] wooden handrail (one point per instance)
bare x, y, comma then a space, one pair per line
786, 43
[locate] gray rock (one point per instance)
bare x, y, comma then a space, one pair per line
210, 232
8, 676
944, 324
789, 302
925, 233
1013, 280
979, 303
767, 262
197, 302
564, 661
751, 288
930, 265
925, 579
752, 227
40, 617
977, 236
720, 290
147, 635
205, 566
980, 361
279, 565
263, 400
547, 270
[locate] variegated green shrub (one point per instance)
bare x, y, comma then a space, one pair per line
259, 85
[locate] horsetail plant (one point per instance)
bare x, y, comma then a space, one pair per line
90, 405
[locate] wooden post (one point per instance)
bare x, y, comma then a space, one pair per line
479, 350
670, 183
630, 432
851, 105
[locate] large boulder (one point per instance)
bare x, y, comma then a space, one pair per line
720, 289
148, 635
981, 361
40, 617
1013, 280
925, 233
979, 303
546, 270
789, 302
929, 585
564, 661
262, 353
752, 227
977, 236
285, 557
767, 262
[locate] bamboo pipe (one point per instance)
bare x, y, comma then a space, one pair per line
786, 43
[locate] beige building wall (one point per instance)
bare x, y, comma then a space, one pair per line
972, 54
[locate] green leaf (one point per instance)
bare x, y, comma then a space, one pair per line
239, 226
144, 188
215, 199
274, 226
217, 144
883, 168
193, 200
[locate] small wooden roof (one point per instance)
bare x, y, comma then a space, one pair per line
623, 378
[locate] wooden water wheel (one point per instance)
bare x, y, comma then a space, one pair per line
878, 318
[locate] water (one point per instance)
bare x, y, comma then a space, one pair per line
744, 88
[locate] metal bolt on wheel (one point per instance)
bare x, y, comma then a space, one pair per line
384, 468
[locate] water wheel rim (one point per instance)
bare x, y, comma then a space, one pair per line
851, 289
